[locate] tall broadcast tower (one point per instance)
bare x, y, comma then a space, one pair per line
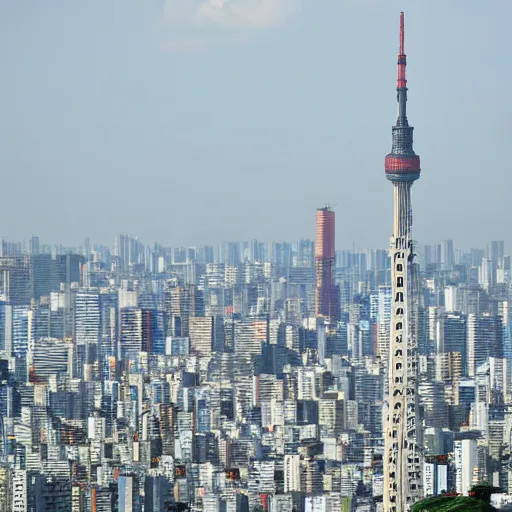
402, 456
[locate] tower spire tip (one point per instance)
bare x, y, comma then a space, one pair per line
402, 46
402, 59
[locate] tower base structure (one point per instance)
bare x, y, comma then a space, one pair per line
403, 484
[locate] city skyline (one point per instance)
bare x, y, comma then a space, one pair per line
132, 123
222, 387
24, 246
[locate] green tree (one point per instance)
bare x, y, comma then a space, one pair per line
478, 501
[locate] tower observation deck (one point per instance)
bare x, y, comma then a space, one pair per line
402, 455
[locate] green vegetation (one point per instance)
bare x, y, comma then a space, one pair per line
479, 500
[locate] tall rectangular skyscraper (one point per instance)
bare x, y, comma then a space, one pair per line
327, 295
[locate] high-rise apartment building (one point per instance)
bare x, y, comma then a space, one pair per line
448, 255
127, 493
466, 465
49, 493
87, 321
15, 279
182, 303
153, 331
130, 333
201, 335
484, 337
454, 336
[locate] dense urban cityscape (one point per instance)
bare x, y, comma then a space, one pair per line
257, 376
209, 377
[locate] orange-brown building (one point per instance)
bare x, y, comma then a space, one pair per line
327, 294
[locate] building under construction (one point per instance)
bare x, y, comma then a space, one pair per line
327, 302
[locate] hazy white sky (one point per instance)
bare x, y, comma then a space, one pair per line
200, 121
